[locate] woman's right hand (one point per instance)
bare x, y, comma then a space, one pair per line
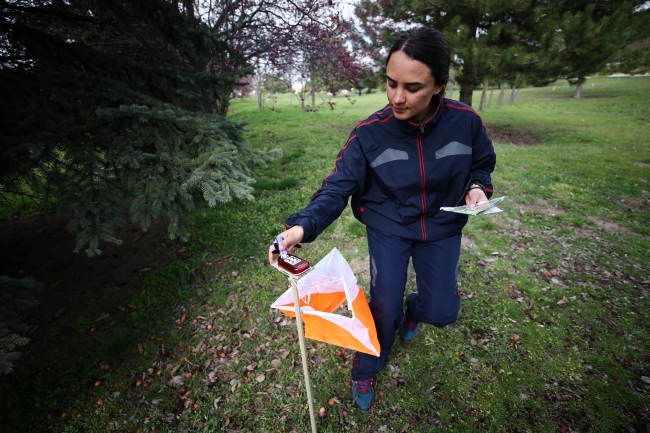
291, 237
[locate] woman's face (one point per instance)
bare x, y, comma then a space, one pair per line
410, 87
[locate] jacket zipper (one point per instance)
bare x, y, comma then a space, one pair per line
423, 181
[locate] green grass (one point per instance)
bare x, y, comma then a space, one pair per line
552, 335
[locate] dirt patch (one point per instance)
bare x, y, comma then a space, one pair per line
360, 267
77, 290
506, 134
467, 242
542, 206
637, 204
608, 226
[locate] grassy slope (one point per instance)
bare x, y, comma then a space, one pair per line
515, 361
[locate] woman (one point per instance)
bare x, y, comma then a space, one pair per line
400, 166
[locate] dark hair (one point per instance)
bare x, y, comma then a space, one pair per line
429, 46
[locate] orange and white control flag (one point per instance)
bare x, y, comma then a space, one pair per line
322, 291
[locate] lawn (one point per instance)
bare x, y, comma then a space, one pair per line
553, 331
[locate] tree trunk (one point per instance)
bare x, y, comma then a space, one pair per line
189, 8
313, 90
511, 100
500, 101
221, 106
490, 101
483, 94
516, 96
207, 104
260, 100
578, 91
467, 79
466, 91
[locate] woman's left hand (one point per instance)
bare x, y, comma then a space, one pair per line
474, 196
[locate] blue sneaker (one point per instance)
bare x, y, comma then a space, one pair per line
363, 393
408, 329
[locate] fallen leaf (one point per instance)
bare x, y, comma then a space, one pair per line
59, 313
260, 378
32, 329
276, 363
228, 377
65, 414
140, 349
143, 270
514, 338
102, 317
121, 308
562, 301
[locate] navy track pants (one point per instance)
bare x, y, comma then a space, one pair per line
437, 302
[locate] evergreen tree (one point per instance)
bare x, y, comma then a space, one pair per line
518, 42
488, 39
591, 34
632, 60
106, 110
15, 296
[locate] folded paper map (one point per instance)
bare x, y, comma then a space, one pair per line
481, 208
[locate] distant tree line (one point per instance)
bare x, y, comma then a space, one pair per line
514, 43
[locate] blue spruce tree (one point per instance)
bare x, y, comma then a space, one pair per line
107, 112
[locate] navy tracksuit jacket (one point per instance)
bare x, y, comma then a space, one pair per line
399, 174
